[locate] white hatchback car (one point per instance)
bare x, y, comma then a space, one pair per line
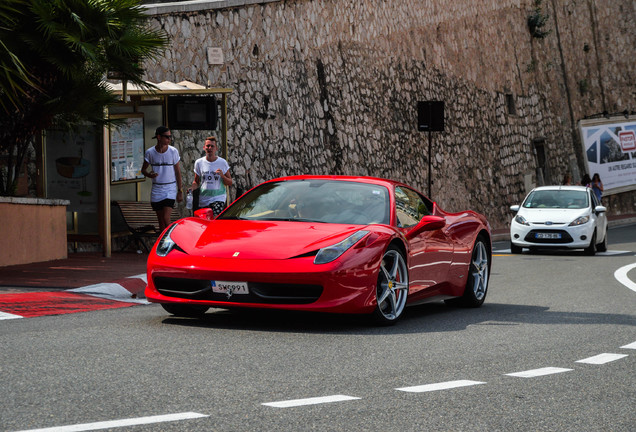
559, 217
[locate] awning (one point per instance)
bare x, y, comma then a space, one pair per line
165, 88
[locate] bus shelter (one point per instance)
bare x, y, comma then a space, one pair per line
91, 168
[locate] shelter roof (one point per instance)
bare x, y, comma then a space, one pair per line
166, 88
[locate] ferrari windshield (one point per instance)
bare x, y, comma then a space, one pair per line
314, 200
557, 199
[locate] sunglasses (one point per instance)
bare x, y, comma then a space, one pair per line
167, 136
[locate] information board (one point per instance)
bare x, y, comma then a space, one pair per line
72, 167
610, 150
127, 148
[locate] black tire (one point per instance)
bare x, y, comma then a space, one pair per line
191, 311
515, 249
602, 246
591, 249
392, 288
478, 275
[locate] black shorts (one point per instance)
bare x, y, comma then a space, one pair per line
217, 207
156, 206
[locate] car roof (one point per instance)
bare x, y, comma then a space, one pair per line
561, 187
361, 179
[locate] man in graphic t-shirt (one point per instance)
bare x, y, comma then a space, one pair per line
163, 159
212, 175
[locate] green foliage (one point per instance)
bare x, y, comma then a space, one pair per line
537, 20
53, 57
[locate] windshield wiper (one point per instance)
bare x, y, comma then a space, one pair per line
291, 219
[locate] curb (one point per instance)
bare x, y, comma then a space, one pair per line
129, 290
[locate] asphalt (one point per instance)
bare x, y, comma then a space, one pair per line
86, 270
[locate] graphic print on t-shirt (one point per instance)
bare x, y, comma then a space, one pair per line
212, 187
211, 184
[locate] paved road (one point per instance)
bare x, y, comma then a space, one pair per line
552, 349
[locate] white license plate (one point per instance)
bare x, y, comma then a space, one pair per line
230, 288
548, 235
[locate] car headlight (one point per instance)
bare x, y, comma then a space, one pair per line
330, 253
166, 244
580, 221
521, 220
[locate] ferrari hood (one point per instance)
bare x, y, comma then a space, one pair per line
256, 239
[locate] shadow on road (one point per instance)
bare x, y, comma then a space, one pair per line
429, 318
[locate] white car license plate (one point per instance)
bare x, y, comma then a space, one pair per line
548, 235
230, 288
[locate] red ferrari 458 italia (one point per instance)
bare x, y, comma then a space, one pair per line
322, 243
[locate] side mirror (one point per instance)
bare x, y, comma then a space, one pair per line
514, 208
428, 223
600, 209
204, 213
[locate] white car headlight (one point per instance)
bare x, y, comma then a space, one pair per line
580, 221
521, 220
330, 253
166, 244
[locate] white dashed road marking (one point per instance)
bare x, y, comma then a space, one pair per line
539, 372
439, 386
630, 346
310, 401
121, 423
602, 358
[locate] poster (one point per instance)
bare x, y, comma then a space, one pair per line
609, 147
72, 167
127, 148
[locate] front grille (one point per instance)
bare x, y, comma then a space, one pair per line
532, 238
266, 293
194, 289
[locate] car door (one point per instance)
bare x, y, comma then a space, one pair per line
600, 219
430, 251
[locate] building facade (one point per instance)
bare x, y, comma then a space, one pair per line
331, 87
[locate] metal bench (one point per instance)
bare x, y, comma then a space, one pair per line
141, 221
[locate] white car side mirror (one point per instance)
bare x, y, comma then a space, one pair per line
600, 209
514, 208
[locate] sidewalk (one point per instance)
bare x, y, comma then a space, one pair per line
78, 270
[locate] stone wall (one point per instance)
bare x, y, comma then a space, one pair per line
331, 87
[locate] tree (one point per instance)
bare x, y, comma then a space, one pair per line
54, 56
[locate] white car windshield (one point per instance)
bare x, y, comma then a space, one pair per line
557, 199
314, 200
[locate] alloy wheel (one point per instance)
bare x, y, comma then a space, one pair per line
480, 271
392, 288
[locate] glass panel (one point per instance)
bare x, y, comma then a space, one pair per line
314, 200
557, 199
410, 207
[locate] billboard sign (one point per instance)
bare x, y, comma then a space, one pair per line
609, 146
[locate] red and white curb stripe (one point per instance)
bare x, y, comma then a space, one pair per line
129, 290
122, 293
